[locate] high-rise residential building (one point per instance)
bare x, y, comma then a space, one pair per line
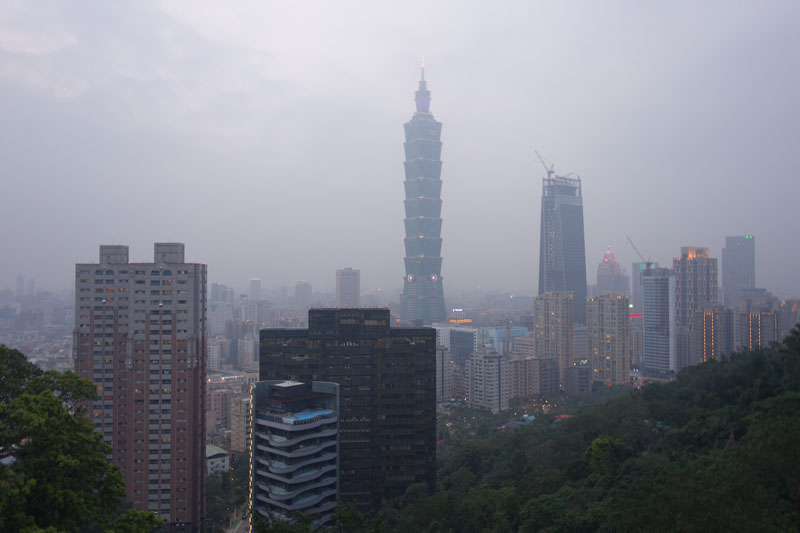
658, 323
562, 252
738, 267
712, 334
502, 338
302, 294
247, 353
140, 337
578, 378
755, 329
215, 354
695, 288
218, 405
523, 371
636, 324
254, 290
20, 285
445, 371
609, 339
462, 341
387, 388
523, 378
348, 288
219, 314
240, 415
248, 312
486, 381
553, 328
580, 342
611, 276
423, 293
294, 450
637, 290
788, 317
221, 293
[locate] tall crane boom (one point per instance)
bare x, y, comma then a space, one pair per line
550, 170
647, 262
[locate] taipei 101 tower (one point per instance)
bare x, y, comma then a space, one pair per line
423, 295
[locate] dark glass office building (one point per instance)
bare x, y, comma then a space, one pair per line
562, 252
387, 395
423, 294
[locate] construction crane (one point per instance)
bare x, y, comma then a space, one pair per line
550, 170
647, 262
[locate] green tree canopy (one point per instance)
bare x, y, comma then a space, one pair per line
54, 474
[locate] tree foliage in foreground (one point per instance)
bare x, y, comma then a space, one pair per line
715, 450
226, 494
54, 475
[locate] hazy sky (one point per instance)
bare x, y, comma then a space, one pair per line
268, 136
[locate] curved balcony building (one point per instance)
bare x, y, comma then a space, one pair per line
294, 445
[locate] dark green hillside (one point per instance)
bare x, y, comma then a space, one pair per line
715, 450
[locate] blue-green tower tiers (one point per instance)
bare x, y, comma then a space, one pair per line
423, 294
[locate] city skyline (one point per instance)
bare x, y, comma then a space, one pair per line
659, 104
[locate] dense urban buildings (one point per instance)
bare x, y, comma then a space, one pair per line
423, 293
658, 323
609, 338
140, 337
562, 253
695, 288
712, 333
387, 389
462, 341
348, 288
294, 450
755, 329
738, 267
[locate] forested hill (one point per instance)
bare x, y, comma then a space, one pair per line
715, 450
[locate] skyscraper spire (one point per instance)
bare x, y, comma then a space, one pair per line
423, 95
423, 297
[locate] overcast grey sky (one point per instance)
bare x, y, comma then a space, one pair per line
268, 136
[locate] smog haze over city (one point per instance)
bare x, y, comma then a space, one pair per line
268, 137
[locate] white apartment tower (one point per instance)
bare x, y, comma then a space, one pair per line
486, 377
659, 357
140, 337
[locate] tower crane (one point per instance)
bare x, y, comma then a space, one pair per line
550, 170
647, 262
